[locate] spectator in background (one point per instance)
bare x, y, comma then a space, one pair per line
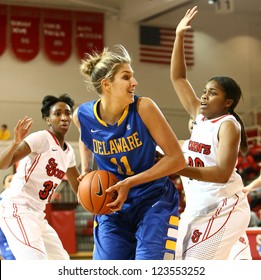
247, 167
255, 151
253, 190
5, 133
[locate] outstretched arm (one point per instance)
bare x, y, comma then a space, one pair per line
178, 70
18, 148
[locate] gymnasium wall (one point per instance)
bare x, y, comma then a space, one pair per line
224, 45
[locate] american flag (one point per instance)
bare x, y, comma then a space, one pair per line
156, 45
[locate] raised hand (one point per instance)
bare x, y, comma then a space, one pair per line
21, 129
184, 23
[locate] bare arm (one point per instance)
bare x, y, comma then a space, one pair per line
253, 186
72, 175
85, 154
165, 138
229, 137
18, 148
178, 71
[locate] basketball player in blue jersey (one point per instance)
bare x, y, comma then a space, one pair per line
217, 212
121, 130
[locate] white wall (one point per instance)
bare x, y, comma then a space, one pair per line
224, 45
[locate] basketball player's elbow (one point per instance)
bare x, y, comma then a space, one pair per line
223, 177
223, 180
181, 163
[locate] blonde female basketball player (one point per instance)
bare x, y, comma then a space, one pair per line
122, 130
217, 211
44, 158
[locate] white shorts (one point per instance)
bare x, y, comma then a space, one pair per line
241, 249
212, 235
29, 235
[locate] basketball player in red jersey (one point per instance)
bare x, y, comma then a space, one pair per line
44, 158
217, 211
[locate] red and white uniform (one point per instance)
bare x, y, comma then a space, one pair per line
22, 216
216, 215
241, 249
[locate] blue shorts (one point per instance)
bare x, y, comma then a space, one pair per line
147, 230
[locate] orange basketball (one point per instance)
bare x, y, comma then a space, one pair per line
91, 191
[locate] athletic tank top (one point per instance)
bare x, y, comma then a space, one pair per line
39, 174
125, 148
200, 151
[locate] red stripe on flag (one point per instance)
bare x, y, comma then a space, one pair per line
157, 45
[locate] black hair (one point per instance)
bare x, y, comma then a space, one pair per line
50, 100
233, 91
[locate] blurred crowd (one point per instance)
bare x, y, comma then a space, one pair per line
5, 133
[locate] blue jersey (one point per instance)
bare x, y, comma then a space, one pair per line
125, 148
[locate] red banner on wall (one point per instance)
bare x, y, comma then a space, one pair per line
89, 32
24, 28
57, 33
3, 21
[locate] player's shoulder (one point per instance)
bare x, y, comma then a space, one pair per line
38, 141
40, 134
86, 104
143, 99
230, 120
85, 110
224, 118
145, 103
